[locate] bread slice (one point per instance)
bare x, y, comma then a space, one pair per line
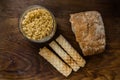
55, 61
89, 30
71, 51
64, 55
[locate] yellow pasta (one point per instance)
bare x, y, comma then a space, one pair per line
37, 24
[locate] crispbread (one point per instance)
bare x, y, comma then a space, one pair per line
64, 55
55, 61
88, 28
71, 51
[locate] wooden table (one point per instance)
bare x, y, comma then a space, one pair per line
19, 58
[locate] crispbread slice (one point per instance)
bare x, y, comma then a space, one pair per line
71, 51
64, 55
55, 61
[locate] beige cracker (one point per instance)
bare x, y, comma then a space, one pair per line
55, 61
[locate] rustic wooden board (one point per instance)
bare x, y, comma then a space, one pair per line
19, 58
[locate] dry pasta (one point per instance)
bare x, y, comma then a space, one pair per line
37, 24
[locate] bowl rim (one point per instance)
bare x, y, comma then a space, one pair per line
45, 39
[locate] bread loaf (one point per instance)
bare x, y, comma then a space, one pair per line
89, 31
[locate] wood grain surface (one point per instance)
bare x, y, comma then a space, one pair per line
19, 58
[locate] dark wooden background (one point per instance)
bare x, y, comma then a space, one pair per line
19, 58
